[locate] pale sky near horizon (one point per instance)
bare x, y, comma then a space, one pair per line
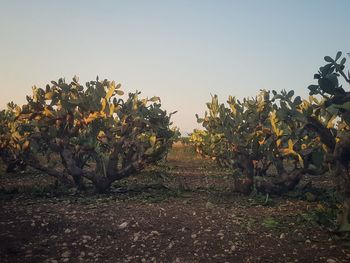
182, 51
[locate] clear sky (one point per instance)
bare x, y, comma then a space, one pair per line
180, 50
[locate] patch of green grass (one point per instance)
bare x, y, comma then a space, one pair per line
36, 189
270, 222
312, 194
157, 197
322, 215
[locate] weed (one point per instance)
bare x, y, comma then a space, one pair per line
322, 215
270, 222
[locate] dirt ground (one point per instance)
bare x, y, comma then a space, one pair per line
186, 214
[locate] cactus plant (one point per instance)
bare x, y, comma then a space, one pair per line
336, 101
75, 132
258, 134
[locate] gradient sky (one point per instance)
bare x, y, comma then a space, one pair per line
182, 51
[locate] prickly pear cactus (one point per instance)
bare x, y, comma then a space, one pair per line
335, 138
71, 131
258, 135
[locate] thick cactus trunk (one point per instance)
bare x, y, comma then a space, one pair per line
102, 184
286, 182
341, 178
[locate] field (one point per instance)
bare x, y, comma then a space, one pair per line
181, 211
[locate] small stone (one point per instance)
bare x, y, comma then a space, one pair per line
171, 245
136, 236
282, 236
67, 231
330, 260
123, 225
193, 236
209, 205
65, 254
221, 234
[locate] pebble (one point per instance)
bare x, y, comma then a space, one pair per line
123, 225
209, 205
155, 233
136, 236
171, 245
